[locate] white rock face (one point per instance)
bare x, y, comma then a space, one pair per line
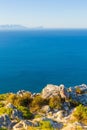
54, 90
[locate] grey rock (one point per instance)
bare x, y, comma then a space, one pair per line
35, 94
12, 124
46, 108
53, 90
23, 125
27, 123
16, 114
60, 115
22, 92
83, 99
1, 119
5, 121
55, 110
83, 87
63, 92
66, 106
9, 105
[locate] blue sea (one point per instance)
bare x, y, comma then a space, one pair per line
32, 59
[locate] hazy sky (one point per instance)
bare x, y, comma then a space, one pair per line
47, 13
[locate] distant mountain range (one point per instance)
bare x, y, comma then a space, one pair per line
12, 27
18, 27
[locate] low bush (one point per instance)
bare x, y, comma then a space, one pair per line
3, 97
4, 110
45, 125
17, 100
37, 103
26, 113
24, 100
3, 129
80, 113
37, 116
12, 98
55, 102
1, 104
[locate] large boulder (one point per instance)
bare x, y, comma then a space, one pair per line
54, 90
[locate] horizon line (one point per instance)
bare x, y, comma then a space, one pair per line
39, 27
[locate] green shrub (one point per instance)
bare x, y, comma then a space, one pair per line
19, 100
26, 113
12, 98
3, 129
38, 116
25, 100
3, 97
1, 104
32, 128
80, 113
45, 125
37, 103
55, 102
4, 110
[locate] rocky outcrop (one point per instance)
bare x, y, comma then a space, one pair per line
58, 118
23, 125
16, 114
5, 121
53, 90
83, 87
81, 98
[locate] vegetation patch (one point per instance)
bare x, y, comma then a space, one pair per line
80, 114
26, 113
55, 102
4, 110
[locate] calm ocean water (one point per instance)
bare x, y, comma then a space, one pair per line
31, 59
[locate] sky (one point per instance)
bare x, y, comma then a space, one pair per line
46, 13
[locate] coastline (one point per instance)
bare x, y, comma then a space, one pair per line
56, 107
